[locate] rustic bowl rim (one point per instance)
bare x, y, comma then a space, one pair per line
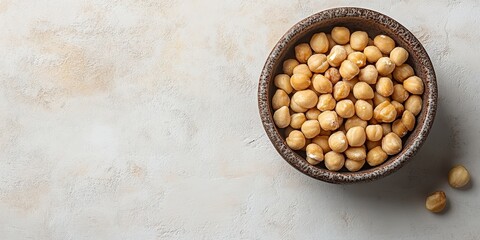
297, 161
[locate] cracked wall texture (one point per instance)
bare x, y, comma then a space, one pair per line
137, 119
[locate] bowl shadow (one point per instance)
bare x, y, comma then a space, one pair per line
425, 173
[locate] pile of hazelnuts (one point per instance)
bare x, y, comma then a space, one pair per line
346, 99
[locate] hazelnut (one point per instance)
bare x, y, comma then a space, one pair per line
436, 202
303, 69
399, 128
351, 98
387, 128
363, 109
289, 65
311, 160
345, 108
368, 74
376, 156
355, 121
384, 86
414, 104
458, 176
329, 120
408, 119
340, 120
392, 144
348, 70
297, 120
399, 55
384, 66
374, 132
377, 99
359, 40
300, 81
385, 112
341, 90
282, 81
305, 98
303, 52
356, 153
319, 43
356, 136
348, 48
333, 75
296, 140
281, 117
312, 114
314, 153
322, 141
317, 63
296, 108
384, 43
338, 141
322, 84
363, 91
311, 86
336, 56
372, 53
340, 35
399, 107
351, 82
402, 72
413, 85
331, 43
326, 102
334, 161
310, 128
399, 93
358, 58
353, 165
280, 99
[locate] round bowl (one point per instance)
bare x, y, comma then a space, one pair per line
373, 23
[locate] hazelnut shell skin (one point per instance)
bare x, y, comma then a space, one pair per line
458, 177
436, 202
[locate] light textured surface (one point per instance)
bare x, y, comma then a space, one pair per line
135, 119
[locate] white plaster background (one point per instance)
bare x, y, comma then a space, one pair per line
133, 119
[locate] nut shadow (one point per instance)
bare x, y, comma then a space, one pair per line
446, 209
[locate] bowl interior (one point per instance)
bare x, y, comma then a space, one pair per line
374, 24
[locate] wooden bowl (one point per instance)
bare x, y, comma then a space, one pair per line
373, 23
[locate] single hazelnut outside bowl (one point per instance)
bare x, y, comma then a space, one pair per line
355, 19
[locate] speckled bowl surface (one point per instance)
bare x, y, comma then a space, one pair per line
373, 23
